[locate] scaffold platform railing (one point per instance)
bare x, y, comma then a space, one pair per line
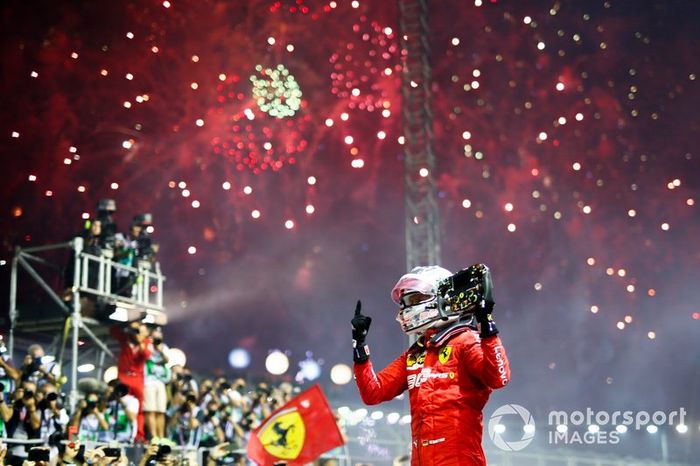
90, 284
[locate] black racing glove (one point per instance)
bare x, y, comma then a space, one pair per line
484, 317
360, 327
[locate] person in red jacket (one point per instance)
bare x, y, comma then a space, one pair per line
449, 371
133, 354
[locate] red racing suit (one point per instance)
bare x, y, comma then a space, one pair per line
449, 375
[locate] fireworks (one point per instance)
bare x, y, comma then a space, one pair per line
269, 134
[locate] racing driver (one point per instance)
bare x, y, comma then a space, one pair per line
449, 371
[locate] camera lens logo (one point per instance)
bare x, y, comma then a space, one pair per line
496, 428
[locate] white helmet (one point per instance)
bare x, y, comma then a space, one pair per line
416, 295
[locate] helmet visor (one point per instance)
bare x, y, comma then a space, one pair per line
411, 299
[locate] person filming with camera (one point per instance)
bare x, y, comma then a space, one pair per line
456, 361
121, 412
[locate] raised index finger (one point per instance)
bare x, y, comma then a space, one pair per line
358, 307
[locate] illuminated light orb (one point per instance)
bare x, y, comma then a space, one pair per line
85, 368
111, 373
466, 203
239, 358
176, 357
255, 214
310, 209
226, 185
289, 224
276, 91
651, 335
276, 362
595, 309
511, 227
311, 180
309, 369
341, 374
192, 250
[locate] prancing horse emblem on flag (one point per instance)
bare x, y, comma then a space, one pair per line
445, 353
283, 434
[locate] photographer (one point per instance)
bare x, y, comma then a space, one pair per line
8, 374
89, 419
157, 374
105, 456
54, 417
211, 432
121, 412
182, 381
5, 411
35, 371
25, 421
105, 215
125, 250
134, 352
184, 423
157, 455
225, 454
449, 371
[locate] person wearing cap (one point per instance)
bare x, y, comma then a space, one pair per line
455, 363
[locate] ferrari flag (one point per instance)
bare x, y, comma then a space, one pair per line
297, 433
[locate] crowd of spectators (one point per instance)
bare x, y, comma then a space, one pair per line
162, 408
153, 413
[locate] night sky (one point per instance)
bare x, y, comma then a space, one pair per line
566, 142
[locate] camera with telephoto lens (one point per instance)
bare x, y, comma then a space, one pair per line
462, 292
163, 451
45, 403
89, 407
120, 391
38, 454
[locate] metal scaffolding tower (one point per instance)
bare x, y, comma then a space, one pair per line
91, 283
422, 218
